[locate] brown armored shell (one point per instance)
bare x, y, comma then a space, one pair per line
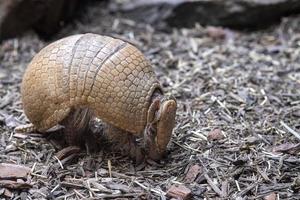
107, 75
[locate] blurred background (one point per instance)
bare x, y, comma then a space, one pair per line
47, 17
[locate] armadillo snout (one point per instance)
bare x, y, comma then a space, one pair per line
164, 129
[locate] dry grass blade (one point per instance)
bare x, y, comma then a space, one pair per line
297, 135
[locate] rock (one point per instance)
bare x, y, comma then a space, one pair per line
179, 192
230, 13
215, 134
271, 196
44, 16
12, 171
215, 32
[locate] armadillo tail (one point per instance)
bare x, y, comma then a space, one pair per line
27, 128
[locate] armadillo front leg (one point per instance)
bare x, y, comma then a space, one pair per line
125, 141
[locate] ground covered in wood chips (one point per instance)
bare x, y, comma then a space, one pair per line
238, 122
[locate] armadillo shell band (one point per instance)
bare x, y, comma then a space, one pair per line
166, 124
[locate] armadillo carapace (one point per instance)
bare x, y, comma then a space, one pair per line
108, 77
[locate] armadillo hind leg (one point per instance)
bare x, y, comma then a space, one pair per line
27, 128
76, 125
124, 141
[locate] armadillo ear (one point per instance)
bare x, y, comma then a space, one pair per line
165, 124
152, 110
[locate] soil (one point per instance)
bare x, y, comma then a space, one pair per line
238, 116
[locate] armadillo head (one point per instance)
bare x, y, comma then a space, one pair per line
160, 124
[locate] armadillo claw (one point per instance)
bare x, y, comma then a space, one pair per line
27, 128
65, 152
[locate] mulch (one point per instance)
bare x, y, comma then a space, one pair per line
238, 122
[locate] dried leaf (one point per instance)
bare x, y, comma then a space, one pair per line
12, 122
14, 184
296, 184
287, 148
271, 196
252, 140
7, 99
8, 193
192, 173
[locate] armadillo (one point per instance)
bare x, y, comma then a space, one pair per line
90, 75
